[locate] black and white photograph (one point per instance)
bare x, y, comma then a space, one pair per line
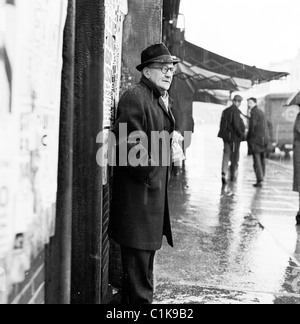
149, 155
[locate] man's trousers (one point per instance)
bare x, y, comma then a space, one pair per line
260, 166
231, 155
138, 267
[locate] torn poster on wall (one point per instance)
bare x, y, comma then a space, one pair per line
31, 42
115, 11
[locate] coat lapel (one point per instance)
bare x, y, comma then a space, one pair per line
172, 118
164, 108
168, 112
171, 112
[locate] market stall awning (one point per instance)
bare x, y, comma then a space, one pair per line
204, 79
201, 58
218, 97
204, 71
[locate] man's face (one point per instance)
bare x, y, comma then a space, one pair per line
237, 103
251, 104
161, 75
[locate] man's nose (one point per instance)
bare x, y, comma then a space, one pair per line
169, 74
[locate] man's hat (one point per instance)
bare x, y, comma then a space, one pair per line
253, 99
238, 98
158, 53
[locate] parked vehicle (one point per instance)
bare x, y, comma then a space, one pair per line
281, 120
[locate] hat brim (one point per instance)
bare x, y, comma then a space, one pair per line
238, 99
169, 60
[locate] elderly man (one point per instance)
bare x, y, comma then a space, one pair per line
140, 211
232, 131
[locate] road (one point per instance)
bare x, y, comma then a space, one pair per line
235, 246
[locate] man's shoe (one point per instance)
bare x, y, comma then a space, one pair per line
258, 185
298, 219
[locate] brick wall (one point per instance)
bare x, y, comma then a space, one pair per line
32, 290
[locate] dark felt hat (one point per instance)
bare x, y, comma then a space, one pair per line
158, 53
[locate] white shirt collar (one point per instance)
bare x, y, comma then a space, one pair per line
165, 98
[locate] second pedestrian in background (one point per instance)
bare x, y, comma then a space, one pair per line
258, 140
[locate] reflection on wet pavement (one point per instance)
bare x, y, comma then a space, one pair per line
237, 245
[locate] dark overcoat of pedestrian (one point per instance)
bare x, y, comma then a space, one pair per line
140, 209
297, 155
258, 136
232, 128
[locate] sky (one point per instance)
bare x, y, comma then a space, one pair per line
253, 32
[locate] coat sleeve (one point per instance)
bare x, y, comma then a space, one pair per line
250, 130
252, 125
239, 125
131, 136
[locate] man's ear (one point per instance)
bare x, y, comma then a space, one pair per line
146, 73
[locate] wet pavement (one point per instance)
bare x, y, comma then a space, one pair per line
238, 245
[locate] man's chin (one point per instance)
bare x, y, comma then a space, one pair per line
165, 87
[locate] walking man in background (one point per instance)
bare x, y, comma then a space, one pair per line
258, 140
140, 209
232, 131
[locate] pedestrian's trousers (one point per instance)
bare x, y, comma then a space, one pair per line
232, 155
260, 166
138, 267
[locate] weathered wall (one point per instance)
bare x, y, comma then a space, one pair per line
31, 36
142, 28
32, 290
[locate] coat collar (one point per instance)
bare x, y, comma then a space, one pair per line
233, 107
151, 86
253, 110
